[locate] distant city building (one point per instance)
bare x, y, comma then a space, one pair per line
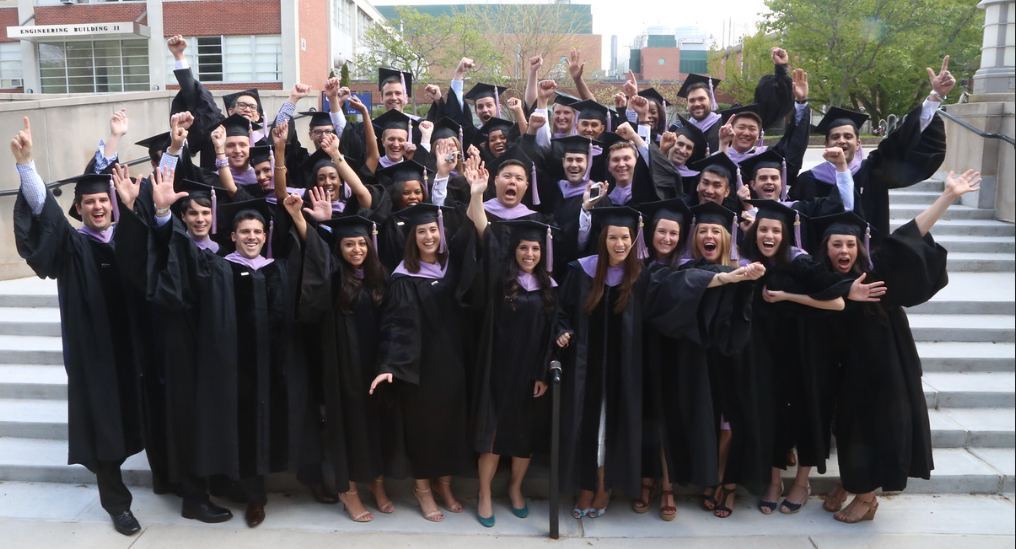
667, 54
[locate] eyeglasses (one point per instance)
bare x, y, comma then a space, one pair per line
319, 133
245, 106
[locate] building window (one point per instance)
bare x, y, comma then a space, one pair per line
694, 61
10, 65
240, 59
93, 66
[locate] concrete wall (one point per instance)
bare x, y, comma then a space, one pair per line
66, 130
992, 157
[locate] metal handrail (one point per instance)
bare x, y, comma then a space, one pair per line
1005, 138
56, 187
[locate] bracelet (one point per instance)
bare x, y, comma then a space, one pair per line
281, 167
801, 101
221, 163
940, 97
161, 212
338, 160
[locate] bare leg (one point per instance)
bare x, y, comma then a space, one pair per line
667, 508
769, 501
798, 493
425, 497
835, 498
444, 489
384, 503
487, 468
862, 507
519, 468
602, 497
353, 505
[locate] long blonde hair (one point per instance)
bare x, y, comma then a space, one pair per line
724, 242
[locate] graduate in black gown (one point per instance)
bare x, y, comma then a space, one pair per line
786, 344
678, 415
103, 352
882, 429
422, 360
341, 290
516, 344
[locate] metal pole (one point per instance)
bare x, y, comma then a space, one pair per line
555, 448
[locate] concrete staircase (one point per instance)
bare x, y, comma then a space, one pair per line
966, 337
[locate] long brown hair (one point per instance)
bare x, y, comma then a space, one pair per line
511, 278
374, 279
632, 269
411, 255
781, 261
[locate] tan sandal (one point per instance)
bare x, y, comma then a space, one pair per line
834, 499
872, 506
365, 516
642, 505
667, 512
433, 516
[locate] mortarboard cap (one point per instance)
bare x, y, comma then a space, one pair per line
260, 154
577, 143
229, 100
533, 231
774, 209
565, 99
318, 118
237, 125
697, 79
718, 163
407, 170
479, 91
674, 209
837, 117
385, 76
622, 216
767, 159
590, 110
726, 115
227, 214
651, 93
711, 213
445, 128
89, 183
495, 124
392, 120
155, 143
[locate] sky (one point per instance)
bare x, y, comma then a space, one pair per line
629, 18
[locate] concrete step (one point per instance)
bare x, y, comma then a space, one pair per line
953, 357
943, 307
30, 321
928, 185
980, 262
25, 418
969, 227
28, 292
45, 350
906, 210
963, 328
983, 427
977, 243
970, 389
30, 381
908, 196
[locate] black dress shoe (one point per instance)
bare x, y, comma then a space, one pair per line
322, 495
125, 523
206, 511
255, 514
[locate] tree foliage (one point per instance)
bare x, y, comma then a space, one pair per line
873, 53
344, 75
742, 68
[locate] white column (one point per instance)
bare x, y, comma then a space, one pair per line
998, 50
156, 46
29, 60
290, 43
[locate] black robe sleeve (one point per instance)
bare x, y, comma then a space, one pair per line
672, 299
913, 267
667, 181
774, 95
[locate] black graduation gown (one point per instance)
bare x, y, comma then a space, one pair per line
275, 427
517, 342
422, 346
345, 346
199, 417
790, 348
666, 180
677, 404
603, 360
882, 429
906, 157
102, 348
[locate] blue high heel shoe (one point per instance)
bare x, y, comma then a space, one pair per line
487, 522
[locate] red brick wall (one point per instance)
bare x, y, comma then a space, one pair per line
8, 18
213, 18
313, 27
89, 13
653, 70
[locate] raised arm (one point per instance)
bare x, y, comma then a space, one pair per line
955, 187
575, 68
535, 63
369, 135
106, 154
477, 176
294, 206
280, 173
330, 145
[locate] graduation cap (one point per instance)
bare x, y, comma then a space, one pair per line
588, 109
837, 117
318, 118
533, 231
674, 209
479, 91
711, 213
495, 124
577, 144
422, 213
565, 99
259, 154
445, 128
353, 226
236, 125
309, 167
767, 159
710, 83
695, 135
651, 93
726, 115
407, 170
229, 213
623, 216
722, 165
386, 76
392, 120
608, 139
156, 143
774, 209
197, 189
229, 100
91, 183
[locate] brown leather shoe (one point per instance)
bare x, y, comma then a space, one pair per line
322, 494
255, 514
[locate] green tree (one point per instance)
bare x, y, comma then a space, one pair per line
344, 78
872, 53
742, 67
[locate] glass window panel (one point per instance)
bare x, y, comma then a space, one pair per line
54, 86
